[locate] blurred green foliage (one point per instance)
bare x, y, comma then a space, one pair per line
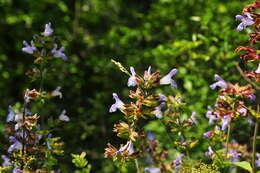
196, 36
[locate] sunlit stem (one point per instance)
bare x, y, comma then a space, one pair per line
254, 141
137, 166
227, 140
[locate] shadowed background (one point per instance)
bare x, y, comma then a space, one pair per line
196, 36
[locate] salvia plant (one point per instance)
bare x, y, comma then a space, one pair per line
234, 103
32, 146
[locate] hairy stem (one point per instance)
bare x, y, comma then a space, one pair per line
227, 140
137, 166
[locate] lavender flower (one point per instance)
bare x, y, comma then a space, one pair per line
152, 170
210, 115
207, 134
177, 162
19, 120
250, 120
252, 97
225, 122
58, 53
129, 147
193, 118
131, 80
162, 97
28, 48
234, 156
158, 112
64, 117
167, 79
220, 82
258, 69
210, 152
245, 21
243, 111
17, 169
257, 162
16, 144
48, 30
150, 136
6, 162
57, 92
11, 114
117, 105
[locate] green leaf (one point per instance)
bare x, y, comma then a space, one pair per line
245, 165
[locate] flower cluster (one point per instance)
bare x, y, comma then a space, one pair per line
32, 146
148, 104
236, 101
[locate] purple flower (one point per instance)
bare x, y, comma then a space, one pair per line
210, 115
167, 79
11, 114
220, 82
162, 97
177, 162
158, 112
117, 105
58, 53
243, 111
28, 48
6, 162
258, 69
150, 136
234, 156
17, 169
257, 162
16, 144
129, 147
48, 30
193, 118
245, 21
225, 122
131, 80
210, 152
207, 134
152, 170
252, 97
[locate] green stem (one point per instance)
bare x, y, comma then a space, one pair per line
254, 141
228, 136
137, 166
40, 89
41, 80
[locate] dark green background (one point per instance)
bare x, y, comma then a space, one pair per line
196, 36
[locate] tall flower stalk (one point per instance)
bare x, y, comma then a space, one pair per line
33, 147
147, 105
